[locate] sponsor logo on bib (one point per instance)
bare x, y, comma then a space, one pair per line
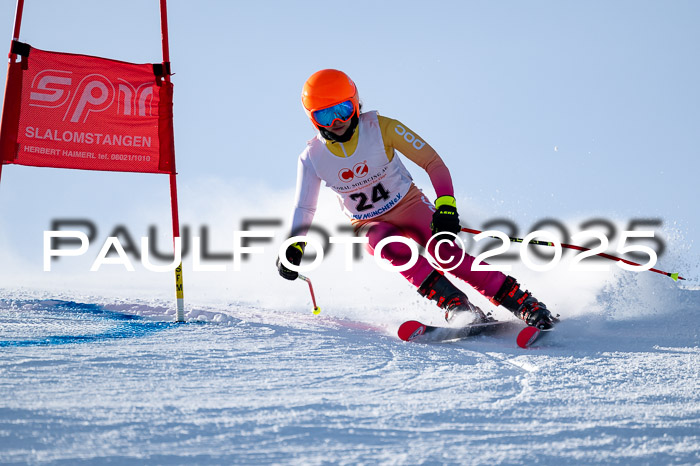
360, 170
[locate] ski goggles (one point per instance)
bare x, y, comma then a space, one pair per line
327, 116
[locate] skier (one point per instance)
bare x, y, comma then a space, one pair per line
354, 153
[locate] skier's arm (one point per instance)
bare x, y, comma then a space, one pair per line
398, 136
308, 187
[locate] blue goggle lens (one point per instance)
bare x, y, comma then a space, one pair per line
342, 111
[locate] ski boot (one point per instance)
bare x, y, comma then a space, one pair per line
448, 297
523, 305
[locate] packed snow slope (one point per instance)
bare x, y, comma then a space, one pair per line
105, 381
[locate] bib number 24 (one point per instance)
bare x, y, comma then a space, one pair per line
379, 193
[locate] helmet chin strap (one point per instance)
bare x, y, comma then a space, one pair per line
345, 137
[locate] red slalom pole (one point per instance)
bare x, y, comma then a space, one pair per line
179, 287
674, 276
164, 33
18, 19
13, 57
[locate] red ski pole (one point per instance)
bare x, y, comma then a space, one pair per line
674, 276
316, 309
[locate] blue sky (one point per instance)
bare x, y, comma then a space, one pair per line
543, 109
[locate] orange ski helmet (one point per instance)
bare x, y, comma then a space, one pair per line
326, 88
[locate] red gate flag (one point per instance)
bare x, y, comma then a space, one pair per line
76, 111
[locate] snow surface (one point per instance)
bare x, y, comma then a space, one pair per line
241, 383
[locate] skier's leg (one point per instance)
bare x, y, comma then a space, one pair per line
414, 215
507, 293
431, 284
396, 253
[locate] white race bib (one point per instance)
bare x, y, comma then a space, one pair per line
367, 183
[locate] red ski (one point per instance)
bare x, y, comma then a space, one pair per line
413, 330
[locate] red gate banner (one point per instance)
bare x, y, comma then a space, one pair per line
77, 111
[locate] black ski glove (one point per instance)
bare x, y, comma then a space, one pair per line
293, 254
445, 218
